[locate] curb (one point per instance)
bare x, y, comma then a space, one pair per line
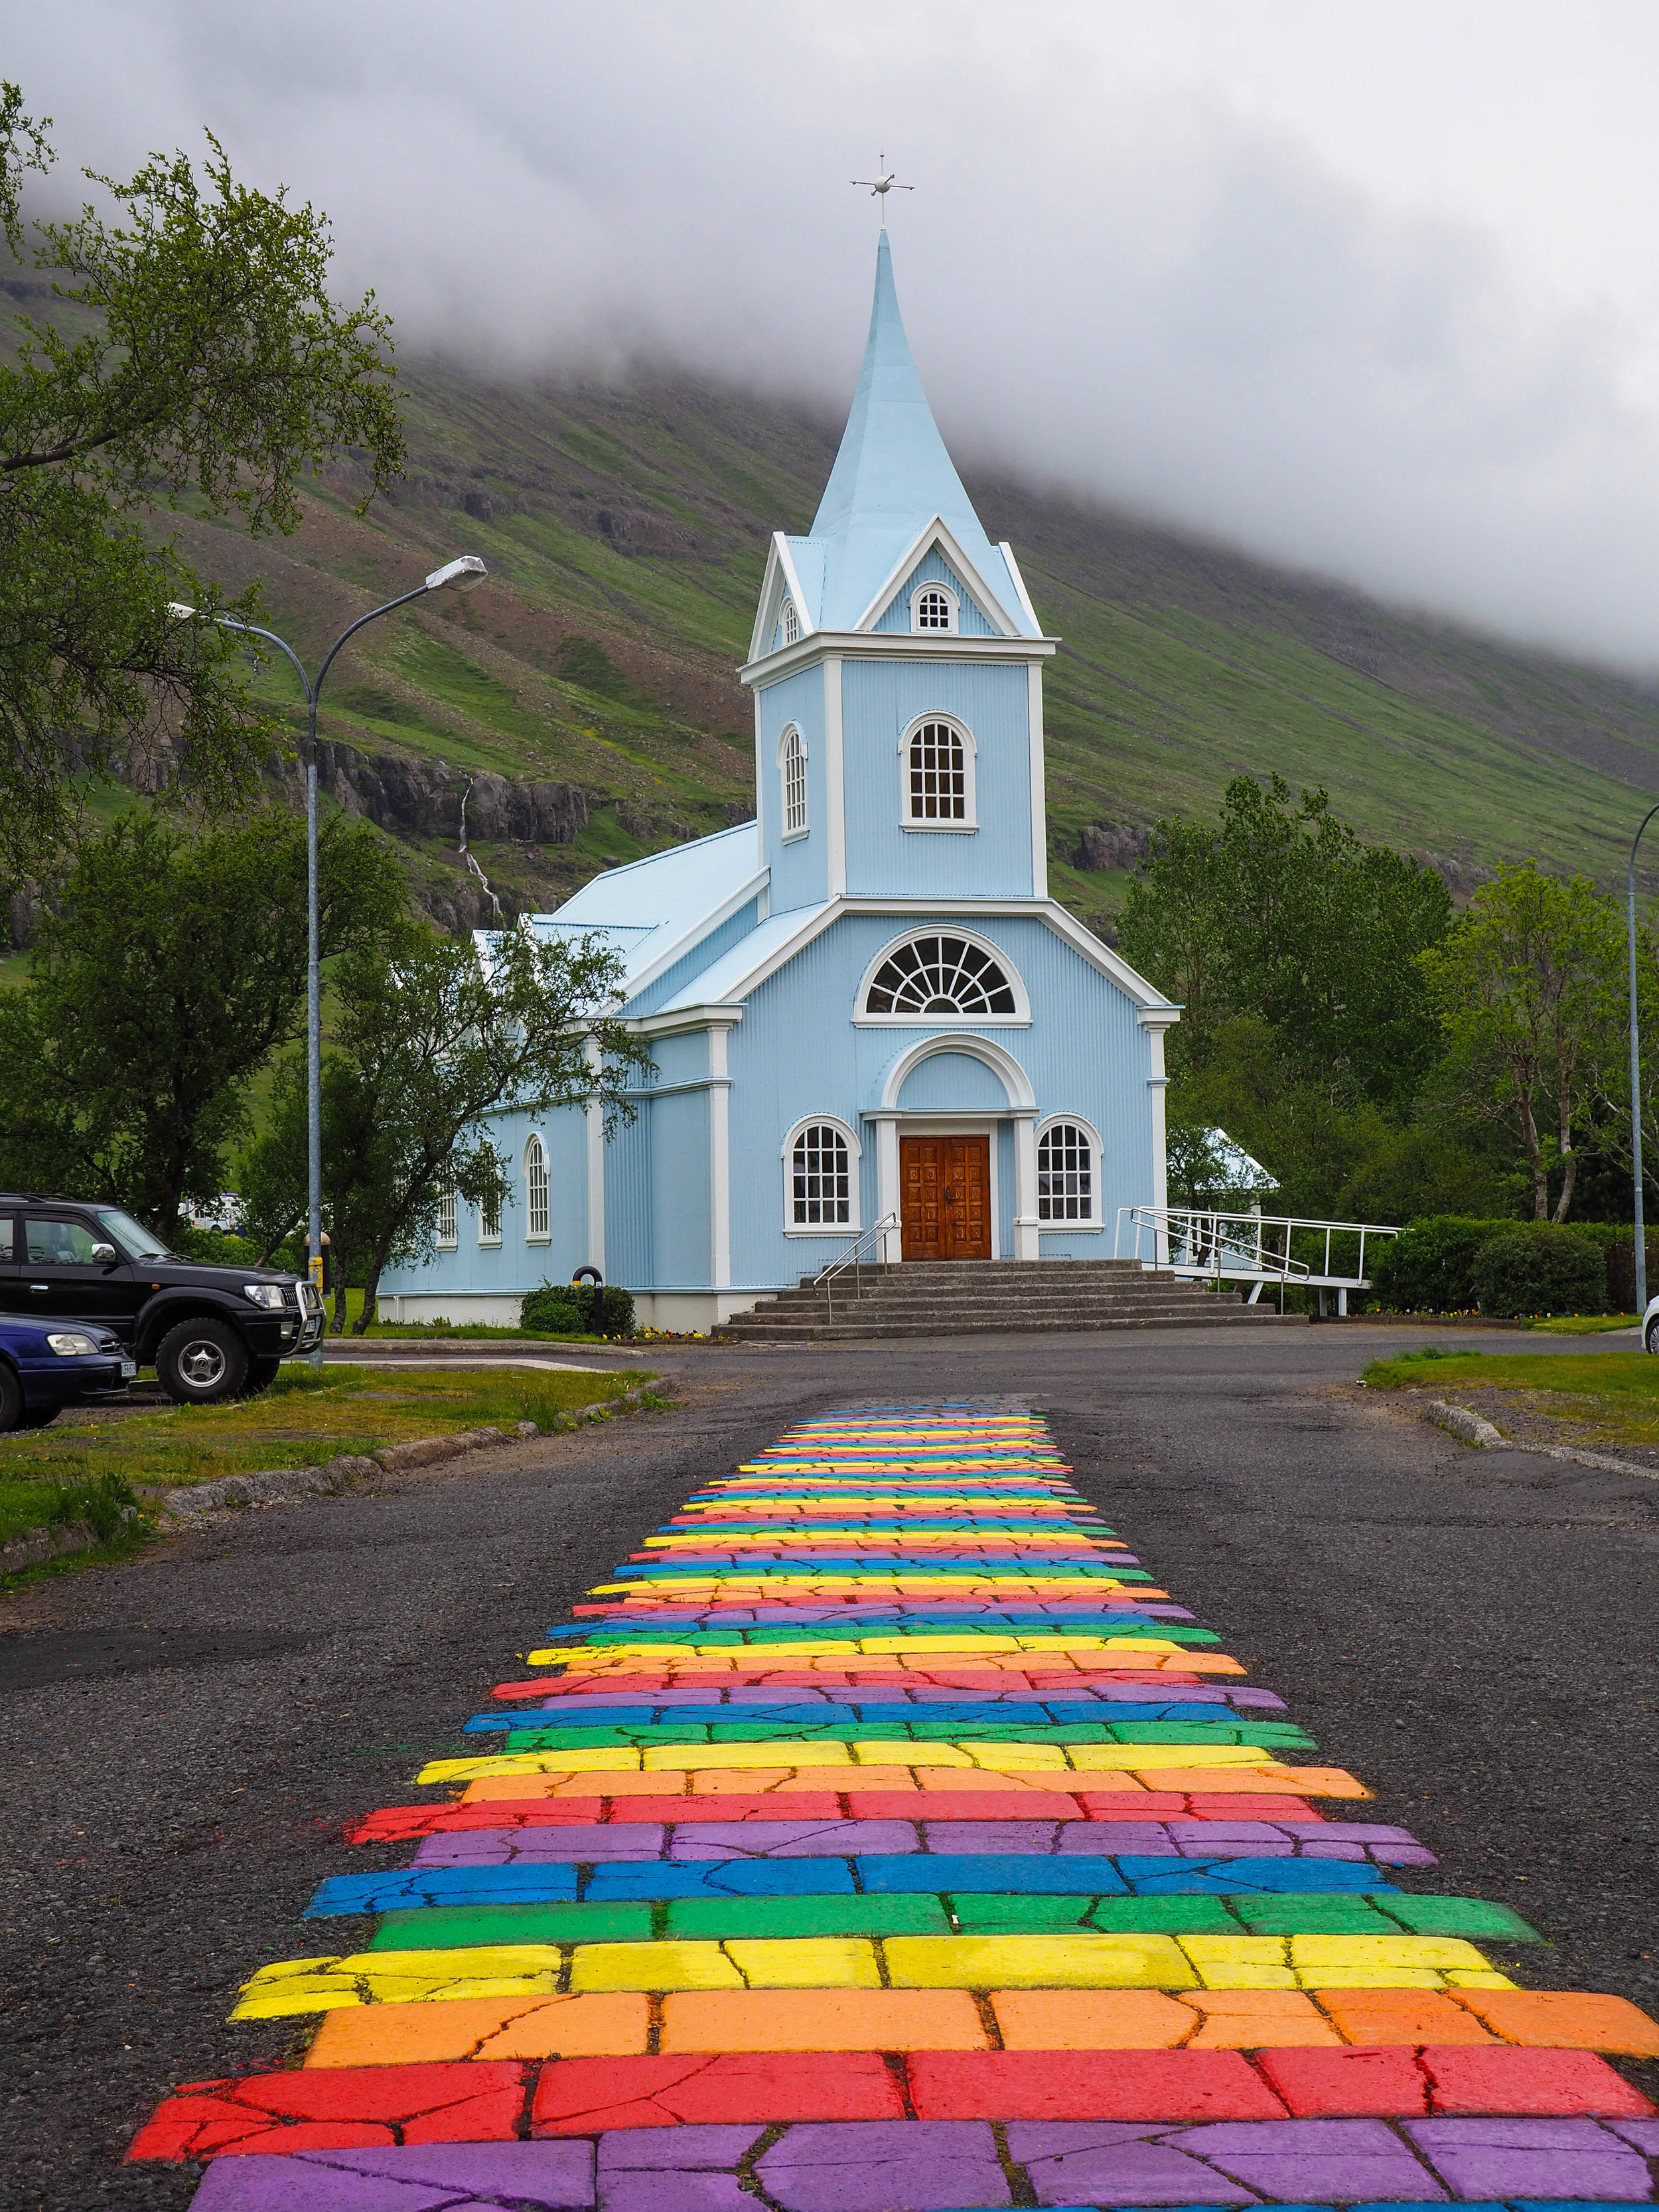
48, 1543
1462, 1421
282, 1485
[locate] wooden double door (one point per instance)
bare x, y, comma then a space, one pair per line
945, 1197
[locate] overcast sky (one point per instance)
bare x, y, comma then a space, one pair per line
1368, 288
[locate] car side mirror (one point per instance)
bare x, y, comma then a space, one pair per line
104, 1256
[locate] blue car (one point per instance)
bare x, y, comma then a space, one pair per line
45, 1365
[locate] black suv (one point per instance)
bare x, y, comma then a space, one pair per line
211, 1331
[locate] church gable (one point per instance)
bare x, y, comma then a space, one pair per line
967, 618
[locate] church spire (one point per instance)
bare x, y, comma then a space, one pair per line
892, 475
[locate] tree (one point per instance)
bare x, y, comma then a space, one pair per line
1530, 987
431, 1040
194, 354
165, 977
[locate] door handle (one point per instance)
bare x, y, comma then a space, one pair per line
40, 1290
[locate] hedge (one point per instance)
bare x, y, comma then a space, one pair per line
1535, 1267
567, 1309
1431, 1266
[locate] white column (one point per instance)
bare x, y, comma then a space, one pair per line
1039, 799
834, 803
1154, 1020
595, 1169
720, 1162
761, 788
1025, 1188
887, 1187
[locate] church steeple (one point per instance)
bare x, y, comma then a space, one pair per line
892, 476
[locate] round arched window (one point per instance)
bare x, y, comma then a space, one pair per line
1066, 1174
937, 774
538, 1219
820, 1176
789, 621
930, 610
940, 975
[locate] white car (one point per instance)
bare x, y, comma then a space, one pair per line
1650, 1325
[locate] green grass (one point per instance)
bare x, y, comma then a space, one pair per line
1612, 1398
105, 1504
1583, 1324
307, 1417
446, 1328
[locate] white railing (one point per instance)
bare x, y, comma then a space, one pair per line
853, 1258
1249, 1248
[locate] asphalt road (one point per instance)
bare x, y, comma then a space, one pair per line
1472, 1632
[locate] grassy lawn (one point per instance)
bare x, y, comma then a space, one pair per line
1612, 1398
445, 1329
307, 1416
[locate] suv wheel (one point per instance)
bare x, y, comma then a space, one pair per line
1650, 1341
11, 1400
201, 1362
261, 1374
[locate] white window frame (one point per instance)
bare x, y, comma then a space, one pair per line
968, 824
788, 622
1020, 1019
792, 730
489, 1225
953, 605
535, 1150
854, 1224
449, 1221
1094, 1224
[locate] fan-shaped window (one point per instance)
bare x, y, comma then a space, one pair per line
937, 777
1066, 1173
939, 975
490, 1221
788, 621
448, 1211
791, 763
820, 1177
932, 609
537, 1220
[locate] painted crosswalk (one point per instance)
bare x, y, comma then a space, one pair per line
881, 1836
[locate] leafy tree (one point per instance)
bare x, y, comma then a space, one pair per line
431, 1040
193, 355
165, 976
1530, 985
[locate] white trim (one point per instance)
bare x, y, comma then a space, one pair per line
1016, 1083
532, 1235
968, 824
595, 1117
854, 1222
938, 532
1008, 553
1026, 1224
683, 1020
887, 645
1035, 775
787, 835
779, 577
688, 940
1151, 1021
449, 1206
1020, 1019
720, 1160
760, 786
1092, 1224
953, 607
834, 795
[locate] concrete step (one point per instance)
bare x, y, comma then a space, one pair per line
865, 1329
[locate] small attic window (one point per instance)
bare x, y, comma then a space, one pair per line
788, 621
933, 609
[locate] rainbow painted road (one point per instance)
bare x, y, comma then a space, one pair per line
882, 1839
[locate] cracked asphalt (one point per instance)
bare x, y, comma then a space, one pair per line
183, 1735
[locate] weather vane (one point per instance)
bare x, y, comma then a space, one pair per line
881, 186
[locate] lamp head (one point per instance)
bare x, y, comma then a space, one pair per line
463, 575
179, 611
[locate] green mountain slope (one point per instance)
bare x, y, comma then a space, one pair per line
626, 531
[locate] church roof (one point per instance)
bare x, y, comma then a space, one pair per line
892, 477
651, 912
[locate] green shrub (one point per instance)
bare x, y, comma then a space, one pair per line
1533, 1268
1430, 1267
1622, 1269
567, 1309
214, 1248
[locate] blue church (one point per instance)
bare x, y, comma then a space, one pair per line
864, 1007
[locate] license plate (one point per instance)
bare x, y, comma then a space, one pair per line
129, 1369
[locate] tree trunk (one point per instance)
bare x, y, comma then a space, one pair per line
1541, 1174
371, 1292
1569, 1180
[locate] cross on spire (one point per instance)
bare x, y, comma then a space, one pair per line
880, 185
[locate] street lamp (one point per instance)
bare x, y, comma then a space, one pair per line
462, 574
1636, 1083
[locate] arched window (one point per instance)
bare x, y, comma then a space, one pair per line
1066, 1173
537, 1225
932, 609
448, 1211
938, 777
820, 1177
940, 974
792, 766
490, 1221
788, 621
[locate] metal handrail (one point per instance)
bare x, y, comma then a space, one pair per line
853, 1258
1218, 1239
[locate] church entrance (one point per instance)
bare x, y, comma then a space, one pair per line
945, 1197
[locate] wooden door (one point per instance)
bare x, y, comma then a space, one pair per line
945, 1201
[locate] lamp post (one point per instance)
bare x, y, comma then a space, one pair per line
462, 574
1636, 1082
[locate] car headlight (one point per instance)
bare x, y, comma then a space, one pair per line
70, 1344
264, 1294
